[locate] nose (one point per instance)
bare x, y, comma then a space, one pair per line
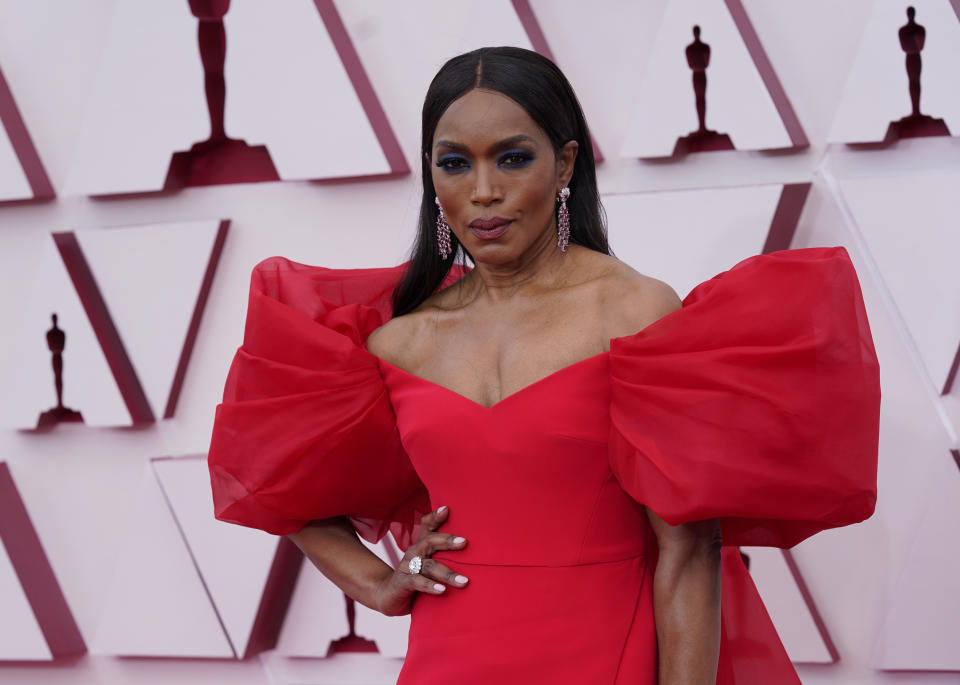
486, 188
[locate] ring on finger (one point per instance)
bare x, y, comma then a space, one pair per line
415, 564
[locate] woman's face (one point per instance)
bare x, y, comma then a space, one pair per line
497, 177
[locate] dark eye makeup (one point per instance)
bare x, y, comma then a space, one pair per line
510, 159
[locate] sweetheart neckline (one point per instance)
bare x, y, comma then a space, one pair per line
523, 390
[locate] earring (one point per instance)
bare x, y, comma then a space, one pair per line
563, 220
443, 231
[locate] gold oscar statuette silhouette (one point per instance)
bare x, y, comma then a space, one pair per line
56, 342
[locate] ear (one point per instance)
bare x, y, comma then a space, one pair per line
565, 159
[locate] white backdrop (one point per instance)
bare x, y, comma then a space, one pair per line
885, 590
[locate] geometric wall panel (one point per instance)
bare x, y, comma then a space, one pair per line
317, 616
20, 634
685, 237
188, 585
154, 279
248, 574
35, 622
744, 98
304, 98
129, 301
920, 627
158, 604
341, 668
481, 23
22, 176
878, 89
791, 608
908, 223
88, 383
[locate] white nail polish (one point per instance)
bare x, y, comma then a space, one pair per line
458, 540
461, 579
438, 587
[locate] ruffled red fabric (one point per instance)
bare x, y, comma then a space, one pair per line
305, 430
757, 402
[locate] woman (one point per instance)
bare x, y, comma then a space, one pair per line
559, 445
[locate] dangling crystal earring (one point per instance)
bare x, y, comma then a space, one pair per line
443, 231
563, 220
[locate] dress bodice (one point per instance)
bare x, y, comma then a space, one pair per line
537, 460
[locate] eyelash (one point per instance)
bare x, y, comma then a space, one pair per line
522, 158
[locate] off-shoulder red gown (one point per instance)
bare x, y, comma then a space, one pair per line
757, 402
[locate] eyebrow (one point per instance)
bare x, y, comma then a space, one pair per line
506, 142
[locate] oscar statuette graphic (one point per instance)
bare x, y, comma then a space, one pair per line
915, 125
219, 159
703, 139
56, 342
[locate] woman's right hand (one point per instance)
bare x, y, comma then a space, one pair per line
394, 594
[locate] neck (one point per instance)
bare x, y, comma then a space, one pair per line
540, 267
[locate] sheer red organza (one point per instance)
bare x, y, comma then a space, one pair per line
305, 430
758, 402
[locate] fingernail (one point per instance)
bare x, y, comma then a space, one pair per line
459, 540
442, 509
438, 587
461, 579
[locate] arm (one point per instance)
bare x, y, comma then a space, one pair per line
333, 547
686, 601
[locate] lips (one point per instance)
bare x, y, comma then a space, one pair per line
488, 224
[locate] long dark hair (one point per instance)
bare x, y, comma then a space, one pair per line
536, 84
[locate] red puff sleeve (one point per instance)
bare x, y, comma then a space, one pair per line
306, 430
757, 402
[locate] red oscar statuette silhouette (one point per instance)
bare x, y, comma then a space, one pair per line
219, 159
914, 125
56, 342
703, 139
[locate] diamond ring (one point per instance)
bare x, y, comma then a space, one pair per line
415, 564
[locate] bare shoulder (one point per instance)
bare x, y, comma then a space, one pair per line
631, 300
402, 340
391, 341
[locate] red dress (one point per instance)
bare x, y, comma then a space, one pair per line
757, 402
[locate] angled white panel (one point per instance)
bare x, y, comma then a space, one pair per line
921, 618
343, 668
88, 384
686, 237
287, 88
389, 632
488, 22
234, 561
738, 103
146, 103
788, 610
157, 604
13, 181
877, 90
150, 277
908, 222
317, 616
20, 636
